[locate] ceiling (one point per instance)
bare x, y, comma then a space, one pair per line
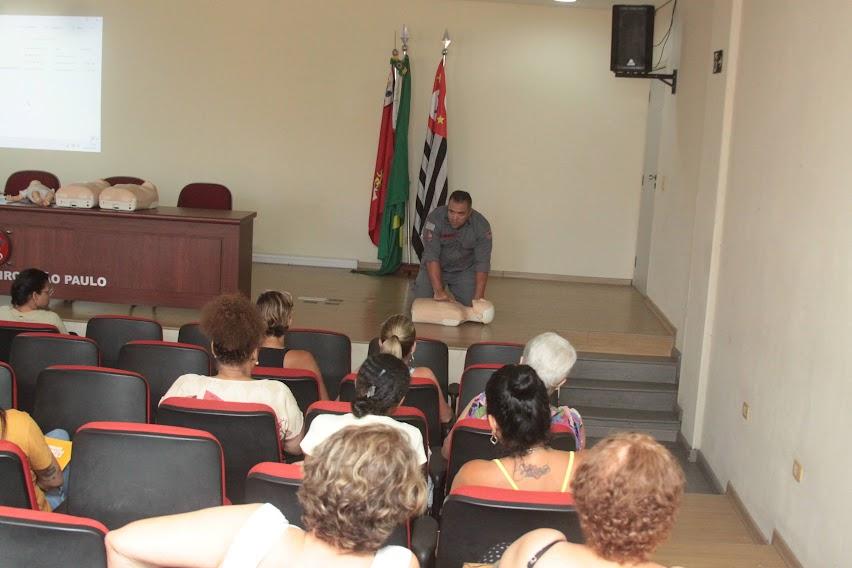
597, 4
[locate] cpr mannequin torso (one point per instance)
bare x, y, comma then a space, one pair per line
427, 310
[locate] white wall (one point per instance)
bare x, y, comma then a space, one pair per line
767, 311
280, 100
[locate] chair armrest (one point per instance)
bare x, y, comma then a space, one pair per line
438, 474
424, 540
453, 393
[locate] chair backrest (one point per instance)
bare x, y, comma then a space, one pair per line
161, 363
39, 539
16, 482
494, 352
473, 381
19, 181
124, 472
10, 329
112, 332
507, 514
33, 352
422, 395
191, 333
278, 484
429, 353
8, 387
471, 440
248, 433
302, 383
115, 180
405, 414
68, 396
332, 350
205, 196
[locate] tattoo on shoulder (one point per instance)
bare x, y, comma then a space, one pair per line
49, 471
534, 471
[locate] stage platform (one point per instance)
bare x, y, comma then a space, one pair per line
596, 318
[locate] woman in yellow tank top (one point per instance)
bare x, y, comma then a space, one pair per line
519, 415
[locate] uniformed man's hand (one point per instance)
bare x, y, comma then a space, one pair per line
441, 296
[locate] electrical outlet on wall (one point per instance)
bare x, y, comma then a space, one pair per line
798, 471
746, 410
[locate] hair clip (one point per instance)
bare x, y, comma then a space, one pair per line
382, 372
371, 392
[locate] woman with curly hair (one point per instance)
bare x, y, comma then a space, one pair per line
276, 310
627, 491
359, 485
519, 416
235, 330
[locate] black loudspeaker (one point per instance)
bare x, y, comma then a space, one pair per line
632, 39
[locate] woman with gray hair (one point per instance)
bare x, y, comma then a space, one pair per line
552, 357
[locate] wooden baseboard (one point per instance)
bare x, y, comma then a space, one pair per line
670, 328
784, 551
705, 468
752, 527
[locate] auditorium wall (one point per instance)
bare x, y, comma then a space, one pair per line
281, 100
767, 309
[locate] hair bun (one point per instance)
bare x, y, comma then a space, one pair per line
525, 383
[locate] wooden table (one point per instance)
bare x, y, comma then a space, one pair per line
168, 256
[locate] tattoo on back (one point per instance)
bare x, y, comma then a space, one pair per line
534, 471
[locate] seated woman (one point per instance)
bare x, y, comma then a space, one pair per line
276, 309
380, 386
552, 357
17, 427
519, 415
358, 486
235, 331
399, 338
31, 292
627, 491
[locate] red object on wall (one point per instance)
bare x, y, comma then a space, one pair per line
5, 248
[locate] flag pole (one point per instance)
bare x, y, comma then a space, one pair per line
404, 37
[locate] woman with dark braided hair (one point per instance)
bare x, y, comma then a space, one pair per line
519, 416
380, 387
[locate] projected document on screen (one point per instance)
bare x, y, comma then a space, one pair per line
50, 82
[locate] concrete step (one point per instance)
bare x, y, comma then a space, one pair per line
619, 394
625, 368
601, 422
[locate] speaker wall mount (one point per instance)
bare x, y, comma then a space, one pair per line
669, 79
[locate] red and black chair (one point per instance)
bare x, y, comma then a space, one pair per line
332, 351
278, 484
191, 333
115, 180
39, 539
304, 384
68, 396
494, 352
112, 332
8, 387
205, 196
19, 181
429, 353
473, 381
33, 352
422, 394
125, 472
471, 440
11, 329
16, 482
248, 433
507, 514
161, 363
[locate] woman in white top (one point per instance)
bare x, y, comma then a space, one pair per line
357, 488
235, 330
380, 387
31, 292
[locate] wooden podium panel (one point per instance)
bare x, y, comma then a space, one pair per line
167, 256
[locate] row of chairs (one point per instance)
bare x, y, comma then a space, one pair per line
124, 472
198, 195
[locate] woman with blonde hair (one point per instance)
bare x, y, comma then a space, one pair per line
627, 491
398, 337
359, 485
276, 310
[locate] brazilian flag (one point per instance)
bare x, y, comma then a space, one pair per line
391, 238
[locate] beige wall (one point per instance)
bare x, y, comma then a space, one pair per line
767, 310
280, 100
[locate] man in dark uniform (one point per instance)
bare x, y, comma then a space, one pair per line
456, 252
